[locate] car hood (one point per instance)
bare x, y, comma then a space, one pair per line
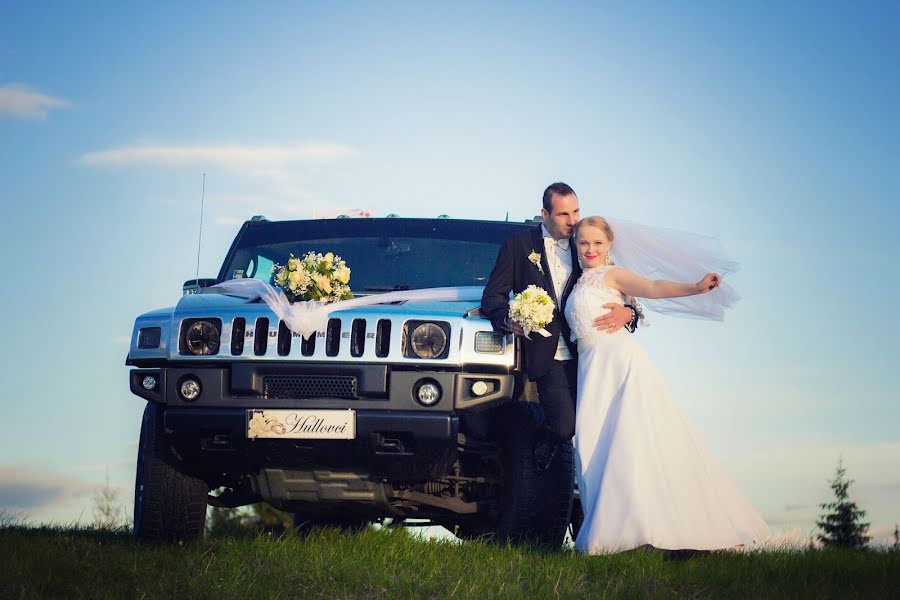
210, 303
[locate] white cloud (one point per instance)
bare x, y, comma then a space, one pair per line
20, 101
257, 160
30, 490
279, 181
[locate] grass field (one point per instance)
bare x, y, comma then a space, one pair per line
42, 562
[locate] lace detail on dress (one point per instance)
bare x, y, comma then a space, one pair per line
586, 303
595, 277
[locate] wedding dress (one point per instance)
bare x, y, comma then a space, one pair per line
644, 475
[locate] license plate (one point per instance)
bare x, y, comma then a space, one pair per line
301, 424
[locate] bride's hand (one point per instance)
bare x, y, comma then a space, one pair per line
709, 283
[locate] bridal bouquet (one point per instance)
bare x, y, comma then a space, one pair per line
314, 277
533, 309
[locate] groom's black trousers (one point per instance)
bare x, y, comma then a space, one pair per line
556, 392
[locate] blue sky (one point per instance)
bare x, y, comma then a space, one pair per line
772, 126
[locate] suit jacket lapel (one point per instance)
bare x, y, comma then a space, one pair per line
576, 271
537, 242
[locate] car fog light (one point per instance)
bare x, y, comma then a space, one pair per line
190, 389
149, 383
428, 394
479, 388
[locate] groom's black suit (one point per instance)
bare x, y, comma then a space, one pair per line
513, 272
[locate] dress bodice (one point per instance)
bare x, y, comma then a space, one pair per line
586, 302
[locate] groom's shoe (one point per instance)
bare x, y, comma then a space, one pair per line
544, 452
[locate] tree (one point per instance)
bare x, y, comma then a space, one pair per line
896, 545
108, 512
246, 520
842, 525
271, 519
229, 522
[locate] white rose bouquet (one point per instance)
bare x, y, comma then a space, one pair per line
314, 277
533, 309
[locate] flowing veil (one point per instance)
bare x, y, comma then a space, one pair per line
662, 253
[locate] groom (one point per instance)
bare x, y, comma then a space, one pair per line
549, 361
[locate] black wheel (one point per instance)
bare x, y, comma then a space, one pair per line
169, 506
533, 507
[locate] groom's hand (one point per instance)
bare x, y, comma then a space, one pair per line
515, 327
618, 317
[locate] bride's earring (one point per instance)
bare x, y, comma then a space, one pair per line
608, 260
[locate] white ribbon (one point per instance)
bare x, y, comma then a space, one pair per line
308, 317
542, 331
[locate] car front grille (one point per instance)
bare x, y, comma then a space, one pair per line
363, 338
290, 387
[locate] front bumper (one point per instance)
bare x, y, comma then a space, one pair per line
374, 387
397, 438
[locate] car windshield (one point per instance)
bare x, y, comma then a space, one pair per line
383, 254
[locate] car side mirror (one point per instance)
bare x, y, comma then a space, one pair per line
194, 286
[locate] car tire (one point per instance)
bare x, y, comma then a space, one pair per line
169, 505
533, 507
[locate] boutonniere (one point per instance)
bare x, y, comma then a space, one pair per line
535, 258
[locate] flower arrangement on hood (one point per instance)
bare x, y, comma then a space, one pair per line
323, 277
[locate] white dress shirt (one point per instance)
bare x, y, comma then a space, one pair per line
559, 258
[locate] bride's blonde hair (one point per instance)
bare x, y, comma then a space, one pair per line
603, 225
598, 222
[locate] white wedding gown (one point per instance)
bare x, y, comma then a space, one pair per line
644, 475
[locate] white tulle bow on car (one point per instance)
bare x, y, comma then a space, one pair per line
306, 318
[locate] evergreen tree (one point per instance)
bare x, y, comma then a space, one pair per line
896, 545
842, 525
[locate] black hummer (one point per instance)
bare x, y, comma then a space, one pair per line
438, 421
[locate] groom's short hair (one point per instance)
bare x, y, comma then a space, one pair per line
559, 188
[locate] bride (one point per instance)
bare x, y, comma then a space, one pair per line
644, 475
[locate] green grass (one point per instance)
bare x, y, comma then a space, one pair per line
40, 562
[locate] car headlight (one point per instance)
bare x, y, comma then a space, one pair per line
428, 340
202, 338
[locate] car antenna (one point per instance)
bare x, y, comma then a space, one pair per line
507, 217
200, 237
